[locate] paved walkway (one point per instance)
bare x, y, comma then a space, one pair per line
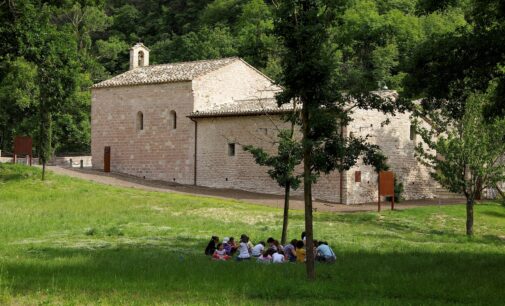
296, 202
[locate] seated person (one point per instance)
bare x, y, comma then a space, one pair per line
290, 251
244, 251
211, 246
278, 257
257, 250
325, 253
220, 253
265, 257
271, 244
300, 251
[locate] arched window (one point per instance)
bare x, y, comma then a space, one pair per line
140, 121
173, 119
141, 59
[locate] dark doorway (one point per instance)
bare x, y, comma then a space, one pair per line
106, 159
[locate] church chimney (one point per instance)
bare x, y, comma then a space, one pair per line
139, 56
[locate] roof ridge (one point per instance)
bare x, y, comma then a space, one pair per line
190, 62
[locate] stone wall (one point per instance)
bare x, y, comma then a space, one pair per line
233, 82
156, 152
71, 161
394, 140
215, 168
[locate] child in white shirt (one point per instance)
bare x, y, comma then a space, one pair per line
257, 250
278, 257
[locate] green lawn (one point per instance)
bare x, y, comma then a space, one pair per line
67, 241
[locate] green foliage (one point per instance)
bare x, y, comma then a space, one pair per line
453, 65
465, 157
465, 154
205, 44
282, 165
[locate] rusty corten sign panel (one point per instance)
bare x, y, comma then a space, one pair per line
23, 145
386, 183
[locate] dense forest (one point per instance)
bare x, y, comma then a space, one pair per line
88, 41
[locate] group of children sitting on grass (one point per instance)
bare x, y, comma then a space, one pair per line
272, 251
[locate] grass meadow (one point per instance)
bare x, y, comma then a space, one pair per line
66, 241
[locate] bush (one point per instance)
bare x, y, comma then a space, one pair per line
399, 189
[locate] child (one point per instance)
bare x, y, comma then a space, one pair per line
226, 245
289, 251
278, 257
325, 253
265, 257
211, 247
233, 246
257, 250
249, 243
271, 244
244, 252
220, 253
278, 246
300, 251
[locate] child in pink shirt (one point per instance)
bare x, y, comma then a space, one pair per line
220, 253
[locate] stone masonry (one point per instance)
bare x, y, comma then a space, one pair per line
187, 123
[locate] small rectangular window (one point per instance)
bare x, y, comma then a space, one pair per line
231, 149
412, 132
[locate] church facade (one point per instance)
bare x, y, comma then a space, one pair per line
187, 122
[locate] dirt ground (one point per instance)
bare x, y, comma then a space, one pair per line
296, 202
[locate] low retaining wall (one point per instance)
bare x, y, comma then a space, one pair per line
62, 161
71, 161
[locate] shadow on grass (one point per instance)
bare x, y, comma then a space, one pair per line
10, 172
160, 274
494, 214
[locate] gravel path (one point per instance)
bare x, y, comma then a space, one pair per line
296, 202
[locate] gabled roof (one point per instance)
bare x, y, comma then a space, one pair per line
166, 73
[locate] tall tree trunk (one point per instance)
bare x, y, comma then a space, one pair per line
44, 148
307, 194
469, 216
286, 214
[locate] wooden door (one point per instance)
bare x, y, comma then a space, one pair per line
106, 159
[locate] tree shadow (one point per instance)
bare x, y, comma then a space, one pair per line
494, 214
153, 274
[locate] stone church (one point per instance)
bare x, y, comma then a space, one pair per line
187, 122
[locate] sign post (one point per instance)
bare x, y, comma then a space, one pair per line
386, 188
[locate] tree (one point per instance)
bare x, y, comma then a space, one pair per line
453, 65
282, 167
53, 51
464, 153
311, 70
19, 94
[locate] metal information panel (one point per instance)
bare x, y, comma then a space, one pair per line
386, 187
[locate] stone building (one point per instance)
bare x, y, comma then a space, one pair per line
186, 123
